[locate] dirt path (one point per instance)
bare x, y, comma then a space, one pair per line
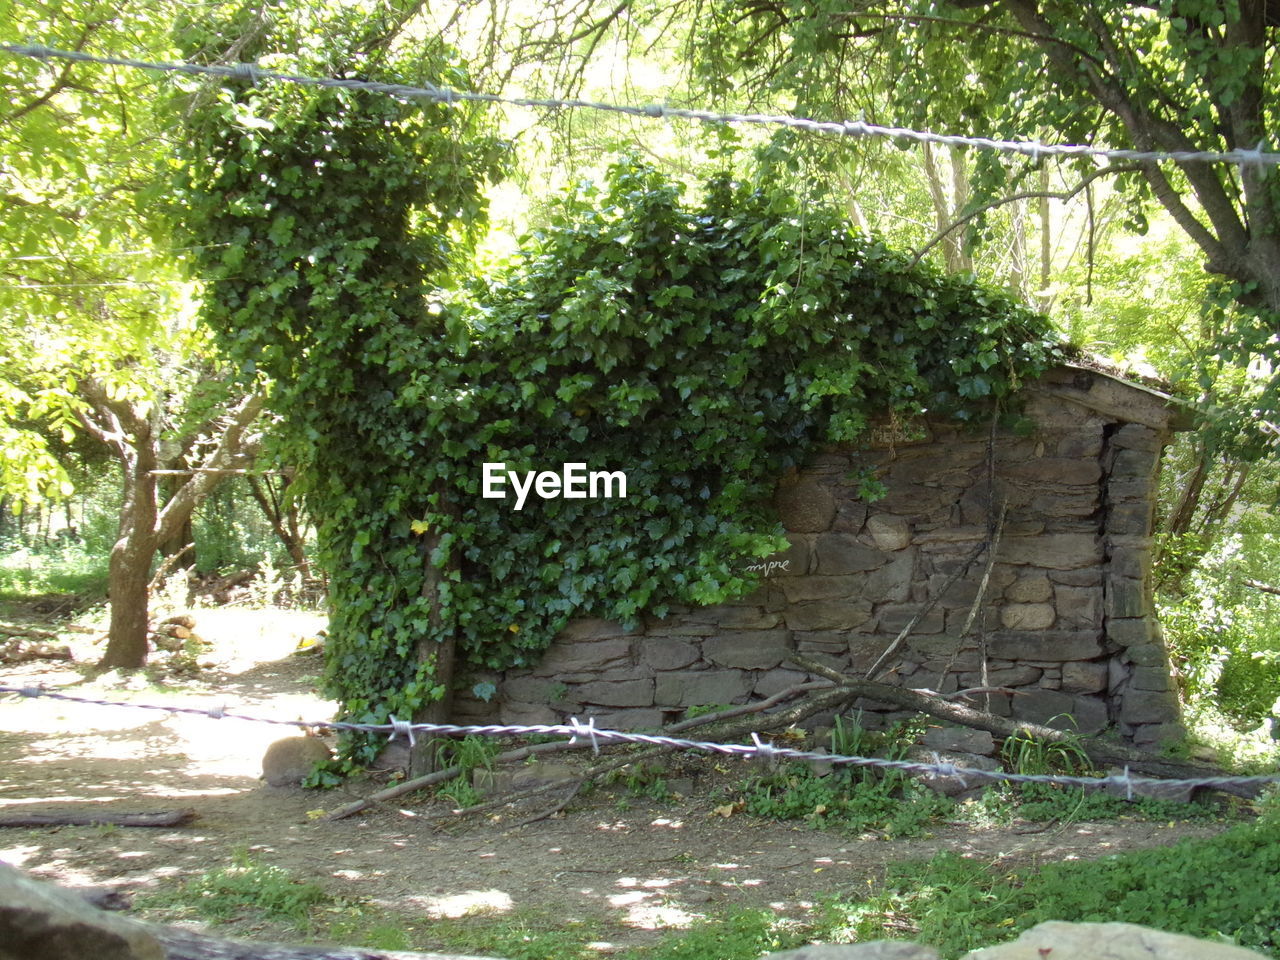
627, 866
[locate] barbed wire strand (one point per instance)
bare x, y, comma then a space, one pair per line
252, 73
576, 730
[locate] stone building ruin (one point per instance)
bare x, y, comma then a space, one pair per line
1065, 619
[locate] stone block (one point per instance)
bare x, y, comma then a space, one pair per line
1148, 655
1048, 707
1057, 551
1050, 646
1119, 491
842, 553
1028, 616
748, 650
791, 562
823, 641
1018, 675
569, 656
696, 688
39, 921
804, 505
850, 517
1084, 577
777, 680
828, 615
1084, 443
1081, 502
1134, 436
894, 617
1150, 678
1078, 606
635, 718
1131, 519
1080, 676
1033, 588
1090, 714
889, 533
511, 712
667, 653
592, 628
1131, 633
959, 594
618, 693
962, 739
1066, 471
530, 689
1134, 465
1127, 561
537, 774
953, 533
893, 581
799, 589
1126, 598
1149, 706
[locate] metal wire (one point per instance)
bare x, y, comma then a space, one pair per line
253, 74
577, 730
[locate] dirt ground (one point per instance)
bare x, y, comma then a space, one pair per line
629, 866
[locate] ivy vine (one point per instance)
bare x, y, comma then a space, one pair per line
700, 344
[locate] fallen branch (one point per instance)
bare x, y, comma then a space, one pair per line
1100, 752
162, 818
523, 753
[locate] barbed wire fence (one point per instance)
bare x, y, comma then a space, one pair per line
577, 731
587, 732
254, 74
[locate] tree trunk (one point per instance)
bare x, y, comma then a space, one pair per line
424, 753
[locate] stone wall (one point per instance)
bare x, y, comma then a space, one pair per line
1065, 619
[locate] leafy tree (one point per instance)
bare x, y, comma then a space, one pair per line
95, 318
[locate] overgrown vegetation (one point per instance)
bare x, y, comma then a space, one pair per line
703, 345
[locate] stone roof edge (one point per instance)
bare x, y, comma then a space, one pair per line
1116, 396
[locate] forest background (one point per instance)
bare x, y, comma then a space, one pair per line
1164, 270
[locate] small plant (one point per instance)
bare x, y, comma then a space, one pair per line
1028, 754
226, 893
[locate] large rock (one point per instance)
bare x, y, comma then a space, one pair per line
1108, 941
876, 950
38, 921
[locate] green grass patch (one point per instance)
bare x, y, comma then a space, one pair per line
25, 572
523, 935
1223, 887
245, 888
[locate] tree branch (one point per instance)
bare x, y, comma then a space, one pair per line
1063, 195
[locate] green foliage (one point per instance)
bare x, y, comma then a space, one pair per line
700, 347
852, 799
1224, 634
1026, 753
742, 934
226, 893
1220, 886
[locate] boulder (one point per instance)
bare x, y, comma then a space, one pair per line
1114, 941
39, 921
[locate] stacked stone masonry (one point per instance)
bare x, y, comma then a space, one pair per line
1065, 621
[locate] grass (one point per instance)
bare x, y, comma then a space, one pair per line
246, 887
71, 569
